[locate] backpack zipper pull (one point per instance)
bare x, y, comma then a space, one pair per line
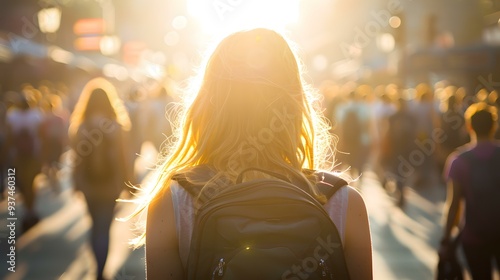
219, 270
324, 269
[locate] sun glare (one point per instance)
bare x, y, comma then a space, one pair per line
223, 16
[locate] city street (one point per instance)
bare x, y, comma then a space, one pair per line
57, 247
243, 84
404, 240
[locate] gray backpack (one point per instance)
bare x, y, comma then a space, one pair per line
265, 229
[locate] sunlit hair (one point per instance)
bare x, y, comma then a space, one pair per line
99, 96
482, 118
252, 109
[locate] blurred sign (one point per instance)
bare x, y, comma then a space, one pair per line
90, 31
88, 26
92, 43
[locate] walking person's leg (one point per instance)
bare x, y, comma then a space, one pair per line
496, 254
102, 213
479, 261
26, 171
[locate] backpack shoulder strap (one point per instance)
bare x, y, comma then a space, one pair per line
329, 184
199, 174
192, 189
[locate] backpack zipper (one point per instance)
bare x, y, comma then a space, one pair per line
219, 269
325, 273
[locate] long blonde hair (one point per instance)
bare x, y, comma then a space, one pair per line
99, 95
251, 110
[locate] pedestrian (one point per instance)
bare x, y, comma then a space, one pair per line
23, 122
425, 112
158, 128
136, 112
54, 133
398, 143
251, 86
472, 176
97, 128
355, 130
4, 158
453, 125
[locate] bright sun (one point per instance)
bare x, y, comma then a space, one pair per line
222, 16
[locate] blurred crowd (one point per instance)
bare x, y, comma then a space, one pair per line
404, 135
96, 136
34, 123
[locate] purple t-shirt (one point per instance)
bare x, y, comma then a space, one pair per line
458, 169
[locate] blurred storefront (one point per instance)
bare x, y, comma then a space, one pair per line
464, 51
401, 41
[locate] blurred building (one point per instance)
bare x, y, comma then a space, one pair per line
405, 41
395, 40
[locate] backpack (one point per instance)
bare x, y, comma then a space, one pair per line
266, 229
25, 144
483, 197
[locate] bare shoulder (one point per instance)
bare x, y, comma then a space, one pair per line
354, 195
161, 202
161, 239
356, 204
358, 247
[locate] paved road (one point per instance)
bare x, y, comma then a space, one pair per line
404, 240
57, 247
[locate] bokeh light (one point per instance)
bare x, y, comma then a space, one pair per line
386, 42
179, 22
395, 21
172, 38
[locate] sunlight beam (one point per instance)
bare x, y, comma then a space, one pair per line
223, 16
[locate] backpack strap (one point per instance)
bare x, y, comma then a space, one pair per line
199, 174
329, 184
184, 183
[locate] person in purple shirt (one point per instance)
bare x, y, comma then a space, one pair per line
473, 177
